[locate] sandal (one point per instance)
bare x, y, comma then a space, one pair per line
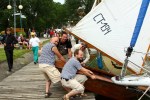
65, 98
47, 95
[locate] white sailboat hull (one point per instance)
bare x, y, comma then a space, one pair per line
133, 81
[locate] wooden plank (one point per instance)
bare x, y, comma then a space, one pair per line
29, 84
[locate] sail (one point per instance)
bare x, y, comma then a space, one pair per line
109, 27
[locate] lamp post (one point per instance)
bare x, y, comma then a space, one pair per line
14, 6
20, 7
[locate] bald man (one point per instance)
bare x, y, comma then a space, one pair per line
46, 63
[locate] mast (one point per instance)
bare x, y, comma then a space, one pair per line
135, 35
96, 2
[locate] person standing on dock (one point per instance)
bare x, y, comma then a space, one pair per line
72, 81
47, 61
9, 42
34, 42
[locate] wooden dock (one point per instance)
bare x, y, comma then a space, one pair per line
28, 84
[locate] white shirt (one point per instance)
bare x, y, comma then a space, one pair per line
73, 41
34, 42
86, 52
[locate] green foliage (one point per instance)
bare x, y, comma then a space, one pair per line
2, 55
73, 5
17, 54
41, 14
23, 33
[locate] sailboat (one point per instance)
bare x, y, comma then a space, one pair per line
108, 28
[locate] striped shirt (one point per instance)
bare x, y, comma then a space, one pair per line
70, 68
47, 55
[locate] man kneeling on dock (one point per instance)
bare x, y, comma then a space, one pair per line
70, 79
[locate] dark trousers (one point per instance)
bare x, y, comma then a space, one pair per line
9, 55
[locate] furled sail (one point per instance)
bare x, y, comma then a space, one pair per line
139, 22
109, 27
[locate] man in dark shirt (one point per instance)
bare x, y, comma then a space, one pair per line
64, 46
9, 42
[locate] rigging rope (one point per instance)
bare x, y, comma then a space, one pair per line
148, 53
144, 93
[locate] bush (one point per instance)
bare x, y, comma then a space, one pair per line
23, 33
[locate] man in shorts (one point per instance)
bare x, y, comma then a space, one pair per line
69, 77
46, 63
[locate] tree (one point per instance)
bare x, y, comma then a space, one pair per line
73, 6
41, 14
37, 12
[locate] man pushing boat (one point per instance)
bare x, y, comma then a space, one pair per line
72, 81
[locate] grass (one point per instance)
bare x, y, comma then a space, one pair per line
17, 52
44, 42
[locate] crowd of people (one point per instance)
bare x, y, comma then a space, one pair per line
9, 42
73, 74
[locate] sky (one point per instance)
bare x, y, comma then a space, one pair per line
61, 1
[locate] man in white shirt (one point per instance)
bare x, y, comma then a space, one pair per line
34, 43
82, 47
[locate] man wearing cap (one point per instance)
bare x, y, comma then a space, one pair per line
82, 47
34, 42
